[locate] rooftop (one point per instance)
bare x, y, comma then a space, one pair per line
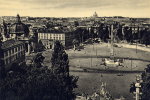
10, 43
57, 30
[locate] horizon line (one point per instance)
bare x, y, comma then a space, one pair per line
69, 16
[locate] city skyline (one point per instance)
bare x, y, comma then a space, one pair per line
75, 8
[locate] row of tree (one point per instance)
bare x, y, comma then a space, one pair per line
103, 31
126, 33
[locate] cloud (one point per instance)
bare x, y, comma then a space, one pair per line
80, 6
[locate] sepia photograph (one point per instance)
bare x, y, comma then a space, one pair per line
74, 49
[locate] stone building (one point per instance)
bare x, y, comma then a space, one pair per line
18, 31
48, 39
12, 51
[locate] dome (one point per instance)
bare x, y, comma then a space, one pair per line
19, 28
95, 15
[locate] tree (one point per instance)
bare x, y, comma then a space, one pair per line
38, 60
29, 84
106, 34
40, 46
38, 82
128, 34
146, 84
119, 33
34, 83
60, 68
101, 31
141, 34
145, 37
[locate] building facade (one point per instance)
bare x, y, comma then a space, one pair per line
48, 39
19, 31
12, 52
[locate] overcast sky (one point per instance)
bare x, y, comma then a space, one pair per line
75, 8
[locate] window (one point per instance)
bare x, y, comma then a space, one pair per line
63, 38
59, 38
41, 36
44, 36
19, 48
16, 49
10, 59
6, 54
9, 52
23, 47
17, 55
48, 36
13, 50
22, 52
5, 61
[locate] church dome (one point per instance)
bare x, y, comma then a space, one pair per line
19, 28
